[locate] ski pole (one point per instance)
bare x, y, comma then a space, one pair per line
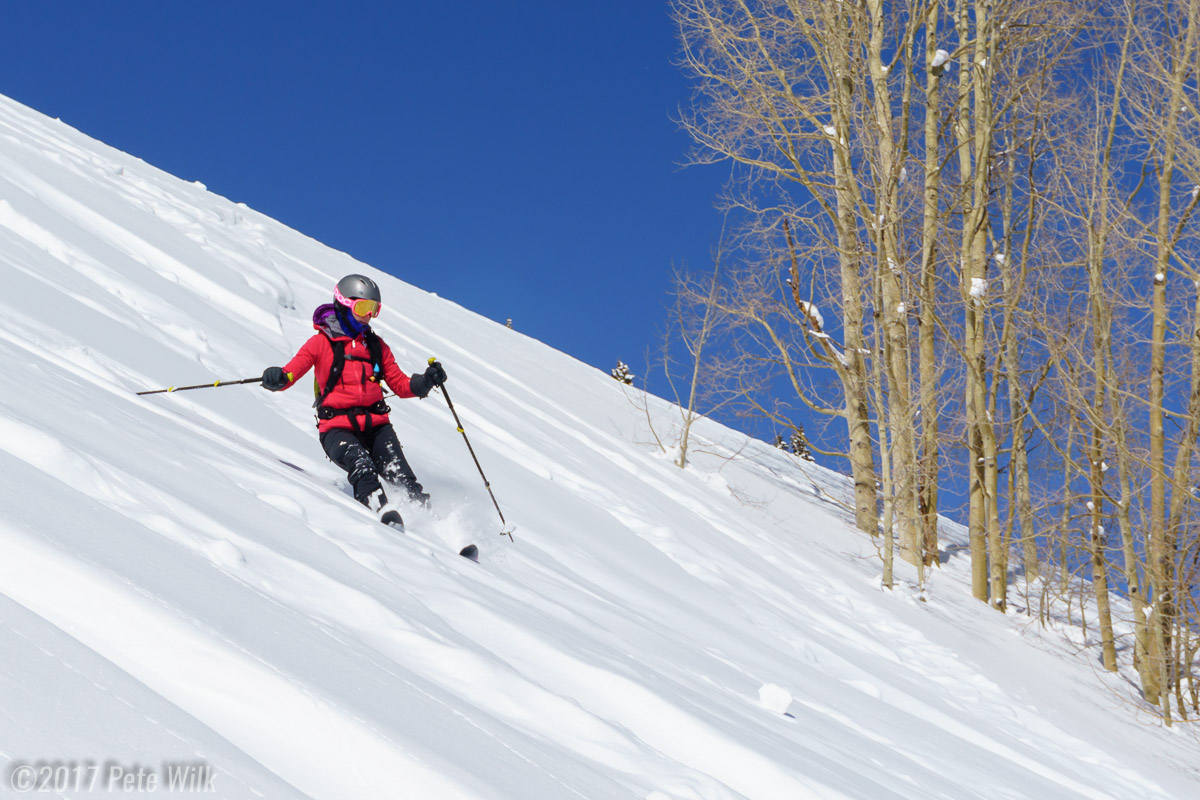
206, 385
507, 531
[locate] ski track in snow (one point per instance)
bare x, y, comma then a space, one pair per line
185, 576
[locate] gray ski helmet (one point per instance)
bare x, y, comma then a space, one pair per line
359, 287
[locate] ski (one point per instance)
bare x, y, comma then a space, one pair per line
391, 517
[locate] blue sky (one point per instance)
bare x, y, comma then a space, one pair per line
517, 158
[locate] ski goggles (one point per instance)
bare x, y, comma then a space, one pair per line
364, 309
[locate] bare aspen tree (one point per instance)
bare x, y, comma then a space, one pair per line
1012, 288
890, 146
695, 319
1013, 280
974, 152
1099, 225
777, 95
694, 322
931, 228
1166, 67
878, 386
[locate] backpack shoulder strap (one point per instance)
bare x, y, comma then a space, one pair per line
335, 371
375, 351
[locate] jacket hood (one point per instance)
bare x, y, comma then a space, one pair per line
328, 321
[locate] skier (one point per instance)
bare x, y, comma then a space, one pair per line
350, 361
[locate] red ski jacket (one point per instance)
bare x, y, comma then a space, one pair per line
355, 389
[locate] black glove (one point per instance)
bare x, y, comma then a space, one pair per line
422, 385
435, 374
274, 379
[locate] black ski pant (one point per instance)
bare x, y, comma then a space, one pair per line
367, 456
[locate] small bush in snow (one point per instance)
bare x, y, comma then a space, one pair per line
799, 443
622, 373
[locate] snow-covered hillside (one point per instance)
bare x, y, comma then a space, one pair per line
185, 577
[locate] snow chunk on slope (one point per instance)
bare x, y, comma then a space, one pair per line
774, 698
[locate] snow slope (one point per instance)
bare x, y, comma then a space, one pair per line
185, 577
